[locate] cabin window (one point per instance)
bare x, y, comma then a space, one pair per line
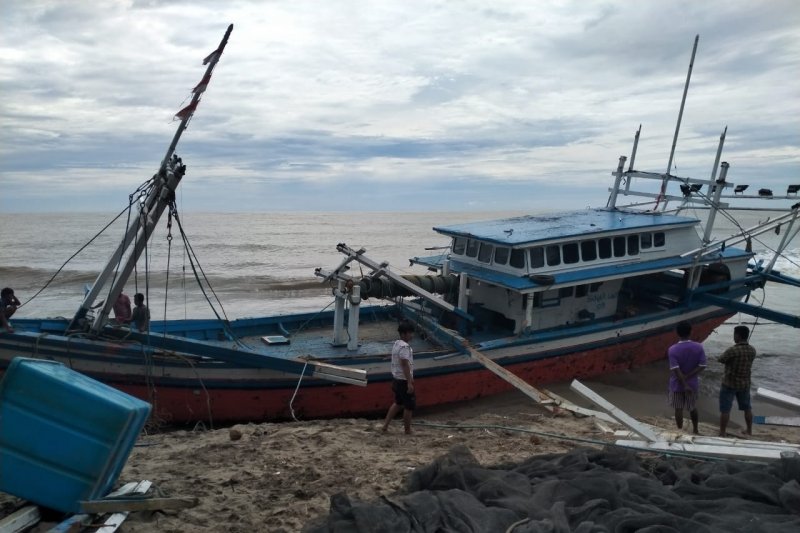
459, 245
647, 241
517, 259
619, 246
594, 287
588, 250
659, 239
472, 248
553, 254
486, 251
570, 252
604, 247
581, 291
537, 257
501, 255
633, 244
550, 299
565, 292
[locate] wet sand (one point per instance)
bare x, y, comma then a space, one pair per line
277, 477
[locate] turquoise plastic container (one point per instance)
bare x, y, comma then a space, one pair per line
64, 437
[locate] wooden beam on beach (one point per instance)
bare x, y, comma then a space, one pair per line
706, 450
112, 505
682, 438
778, 397
20, 520
640, 429
545, 398
523, 386
565, 404
114, 521
778, 420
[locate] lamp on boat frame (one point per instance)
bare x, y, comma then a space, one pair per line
765, 192
792, 189
687, 190
740, 189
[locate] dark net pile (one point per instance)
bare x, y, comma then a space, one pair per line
582, 491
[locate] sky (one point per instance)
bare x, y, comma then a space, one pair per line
389, 105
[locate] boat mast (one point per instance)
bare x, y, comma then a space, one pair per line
715, 190
677, 128
141, 228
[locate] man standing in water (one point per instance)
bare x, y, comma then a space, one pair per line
686, 360
402, 378
738, 361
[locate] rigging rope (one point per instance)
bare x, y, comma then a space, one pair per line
195, 264
82, 248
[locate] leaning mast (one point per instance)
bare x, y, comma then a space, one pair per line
166, 181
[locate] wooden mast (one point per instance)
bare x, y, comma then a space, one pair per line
161, 194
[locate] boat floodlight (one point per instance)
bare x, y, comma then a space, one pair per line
740, 189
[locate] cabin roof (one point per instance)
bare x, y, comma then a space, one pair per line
518, 231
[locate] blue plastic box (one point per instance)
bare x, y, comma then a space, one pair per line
64, 437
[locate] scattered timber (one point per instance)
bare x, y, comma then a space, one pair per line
778, 397
621, 416
112, 505
777, 420
20, 520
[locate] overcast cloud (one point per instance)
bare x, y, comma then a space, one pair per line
400, 105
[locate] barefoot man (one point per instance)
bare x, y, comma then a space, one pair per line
686, 360
738, 361
402, 378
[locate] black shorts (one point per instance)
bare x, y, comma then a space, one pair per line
402, 396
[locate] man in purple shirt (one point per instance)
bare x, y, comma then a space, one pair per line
686, 360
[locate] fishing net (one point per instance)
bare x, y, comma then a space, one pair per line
582, 491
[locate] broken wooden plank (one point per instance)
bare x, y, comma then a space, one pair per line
20, 520
778, 397
114, 505
563, 403
73, 521
114, 521
670, 436
705, 450
603, 427
526, 388
778, 420
640, 429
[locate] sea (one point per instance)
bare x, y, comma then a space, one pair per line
253, 264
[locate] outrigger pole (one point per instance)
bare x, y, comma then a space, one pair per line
160, 196
677, 128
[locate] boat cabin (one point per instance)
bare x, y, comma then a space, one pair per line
541, 272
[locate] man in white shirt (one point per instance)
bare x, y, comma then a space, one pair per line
402, 378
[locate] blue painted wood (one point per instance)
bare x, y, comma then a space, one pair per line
64, 437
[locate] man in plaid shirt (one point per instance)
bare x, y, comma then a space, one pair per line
738, 361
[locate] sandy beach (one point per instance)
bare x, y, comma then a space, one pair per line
278, 477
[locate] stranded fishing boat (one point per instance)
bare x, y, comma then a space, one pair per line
542, 298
